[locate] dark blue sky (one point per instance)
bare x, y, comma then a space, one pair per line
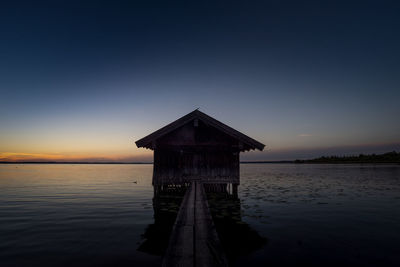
85, 78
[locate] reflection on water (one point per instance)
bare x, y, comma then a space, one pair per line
156, 235
318, 215
74, 215
95, 215
236, 236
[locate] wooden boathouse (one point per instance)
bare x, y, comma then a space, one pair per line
195, 154
198, 148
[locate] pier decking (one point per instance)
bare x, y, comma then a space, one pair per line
194, 240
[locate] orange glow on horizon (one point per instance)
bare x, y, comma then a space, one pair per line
59, 157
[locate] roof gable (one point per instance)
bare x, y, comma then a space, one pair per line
148, 140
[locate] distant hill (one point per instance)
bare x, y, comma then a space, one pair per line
390, 157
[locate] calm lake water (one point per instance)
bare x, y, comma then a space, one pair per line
96, 215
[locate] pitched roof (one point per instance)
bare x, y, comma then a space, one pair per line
196, 114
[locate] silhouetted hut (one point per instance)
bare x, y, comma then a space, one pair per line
197, 147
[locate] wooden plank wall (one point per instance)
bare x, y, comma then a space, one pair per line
194, 240
174, 167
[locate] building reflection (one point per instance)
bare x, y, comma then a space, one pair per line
237, 237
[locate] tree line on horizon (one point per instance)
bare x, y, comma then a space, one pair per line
389, 157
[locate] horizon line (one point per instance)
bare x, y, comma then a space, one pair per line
121, 162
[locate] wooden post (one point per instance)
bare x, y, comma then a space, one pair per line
157, 190
235, 190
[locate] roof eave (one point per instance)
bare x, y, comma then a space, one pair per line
147, 140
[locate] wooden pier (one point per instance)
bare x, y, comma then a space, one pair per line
194, 240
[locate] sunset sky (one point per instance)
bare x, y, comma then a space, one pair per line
83, 80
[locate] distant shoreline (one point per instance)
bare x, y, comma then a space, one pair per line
389, 157
386, 158
242, 162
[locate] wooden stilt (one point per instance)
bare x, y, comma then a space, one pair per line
235, 190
